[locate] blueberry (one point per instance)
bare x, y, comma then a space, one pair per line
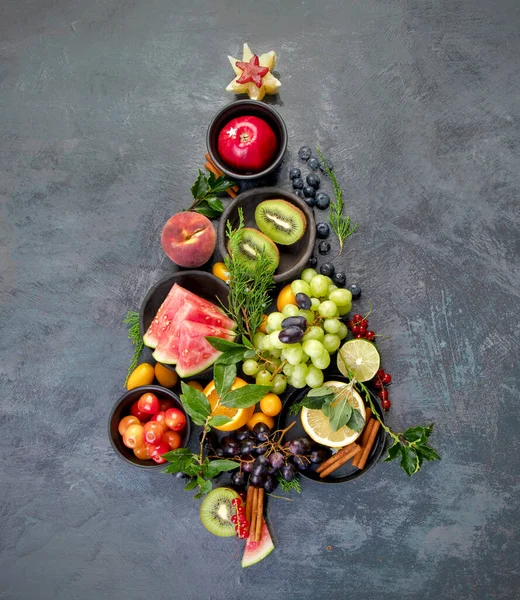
322, 230
297, 183
324, 248
329, 164
309, 191
304, 153
327, 269
322, 201
355, 290
313, 181
314, 164
340, 279
299, 193
295, 173
311, 202
313, 261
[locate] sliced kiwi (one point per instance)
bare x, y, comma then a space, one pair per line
283, 222
216, 511
252, 244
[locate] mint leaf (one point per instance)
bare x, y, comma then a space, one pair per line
205, 487
223, 345
219, 466
195, 404
316, 401
231, 357
321, 391
247, 343
191, 485
356, 421
245, 396
224, 376
219, 420
180, 462
200, 188
340, 414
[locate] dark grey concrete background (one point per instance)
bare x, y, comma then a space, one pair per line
103, 112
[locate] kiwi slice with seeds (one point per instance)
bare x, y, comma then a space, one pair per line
252, 244
216, 511
283, 222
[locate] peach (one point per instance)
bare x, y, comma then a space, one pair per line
189, 239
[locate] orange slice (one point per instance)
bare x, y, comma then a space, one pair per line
239, 416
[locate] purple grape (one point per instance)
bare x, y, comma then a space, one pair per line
229, 445
301, 462
319, 455
291, 335
257, 480
243, 434
246, 446
300, 322
247, 463
239, 479
288, 472
270, 484
260, 466
277, 460
260, 449
303, 301
261, 431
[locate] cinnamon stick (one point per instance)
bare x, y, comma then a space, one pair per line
252, 523
235, 188
366, 450
210, 167
248, 503
259, 514
334, 458
364, 439
346, 457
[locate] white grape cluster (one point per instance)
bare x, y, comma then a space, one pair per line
305, 359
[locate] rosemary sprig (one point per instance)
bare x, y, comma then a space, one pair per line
341, 224
134, 335
248, 289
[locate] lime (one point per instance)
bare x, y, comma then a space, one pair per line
361, 357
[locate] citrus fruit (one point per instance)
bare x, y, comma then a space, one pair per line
285, 296
196, 385
263, 325
317, 425
141, 375
219, 269
239, 416
271, 405
165, 376
361, 357
260, 417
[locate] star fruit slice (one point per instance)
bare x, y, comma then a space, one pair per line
270, 85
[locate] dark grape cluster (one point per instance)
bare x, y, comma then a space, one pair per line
262, 454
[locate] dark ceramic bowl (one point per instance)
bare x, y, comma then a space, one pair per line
238, 109
122, 409
203, 284
293, 258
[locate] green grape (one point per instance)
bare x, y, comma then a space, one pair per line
329, 280
266, 343
299, 286
294, 354
250, 367
344, 310
314, 377
305, 358
332, 325
315, 304
331, 289
319, 286
343, 331
275, 340
314, 333
308, 314
257, 340
275, 353
274, 321
290, 310
288, 369
296, 382
308, 274
328, 309
331, 342
279, 384
300, 371
340, 297
263, 377
322, 361
273, 364
313, 348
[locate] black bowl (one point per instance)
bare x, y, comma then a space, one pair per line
293, 258
346, 472
238, 109
203, 284
122, 409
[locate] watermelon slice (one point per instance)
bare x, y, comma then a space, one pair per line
200, 311
257, 551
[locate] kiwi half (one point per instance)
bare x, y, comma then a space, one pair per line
283, 222
252, 244
216, 511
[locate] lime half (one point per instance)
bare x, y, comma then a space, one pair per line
361, 357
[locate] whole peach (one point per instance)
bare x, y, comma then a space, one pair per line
189, 239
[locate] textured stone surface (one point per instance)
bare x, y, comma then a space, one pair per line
103, 114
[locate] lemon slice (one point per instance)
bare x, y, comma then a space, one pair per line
361, 357
317, 425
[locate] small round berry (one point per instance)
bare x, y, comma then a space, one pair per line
295, 173
383, 394
359, 336
355, 329
304, 153
355, 290
327, 269
362, 330
309, 191
378, 384
311, 202
234, 519
329, 164
350, 324
299, 193
340, 279
322, 230
357, 318
313, 261
297, 183
370, 335
364, 323
386, 379
324, 248
386, 404
314, 164
313, 180
322, 201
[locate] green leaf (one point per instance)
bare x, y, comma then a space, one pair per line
340, 414
321, 392
409, 460
215, 203
224, 376
179, 462
245, 396
247, 343
231, 357
356, 421
315, 402
250, 354
415, 434
219, 466
198, 496
200, 188
427, 452
295, 408
219, 420
221, 184
206, 487
195, 404
223, 345
394, 451
191, 485
205, 209
327, 410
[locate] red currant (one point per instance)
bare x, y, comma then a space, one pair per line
356, 329
359, 336
380, 373
364, 323
377, 384
386, 404
370, 335
362, 330
357, 318
234, 519
383, 394
386, 379
350, 324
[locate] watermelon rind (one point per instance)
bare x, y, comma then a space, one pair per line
256, 551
